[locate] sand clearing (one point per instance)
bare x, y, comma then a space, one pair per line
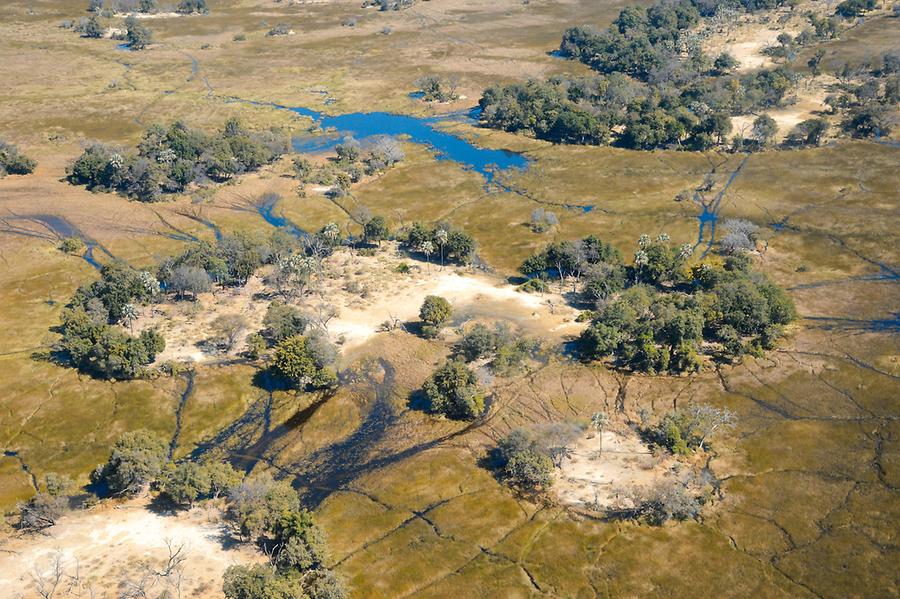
589, 478
366, 292
114, 545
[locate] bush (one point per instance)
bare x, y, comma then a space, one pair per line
137, 459
283, 321
522, 463
435, 311
452, 390
302, 363
138, 35
13, 162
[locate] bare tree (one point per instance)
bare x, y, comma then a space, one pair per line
46, 583
709, 420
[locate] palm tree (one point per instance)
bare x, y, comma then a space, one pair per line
129, 315
441, 237
427, 248
600, 420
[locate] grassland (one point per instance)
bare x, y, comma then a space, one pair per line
809, 480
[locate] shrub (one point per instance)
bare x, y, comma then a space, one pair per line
13, 162
435, 311
452, 390
522, 462
136, 460
283, 321
297, 361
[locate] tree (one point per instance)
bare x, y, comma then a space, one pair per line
452, 390
522, 463
282, 321
435, 312
440, 237
227, 329
189, 279
809, 132
138, 35
764, 130
814, 62
296, 361
136, 460
90, 27
41, 511
186, 482
256, 504
259, 582
376, 230
478, 342
13, 162
725, 63
187, 7
599, 420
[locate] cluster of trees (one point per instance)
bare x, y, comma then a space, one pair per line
259, 509
657, 313
867, 96
435, 88
685, 431
14, 162
452, 245
505, 351
93, 339
385, 5
269, 513
109, 7
352, 162
168, 159
230, 261
453, 390
655, 86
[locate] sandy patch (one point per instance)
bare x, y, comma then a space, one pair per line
591, 478
114, 545
149, 15
366, 291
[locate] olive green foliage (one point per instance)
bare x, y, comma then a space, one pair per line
137, 459
305, 362
138, 35
435, 312
230, 261
187, 7
668, 313
283, 321
589, 260
92, 342
352, 162
452, 390
507, 352
269, 512
168, 159
13, 162
647, 91
850, 9
44, 509
437, 89
376, 230
72, 245
522, 462
189, 481
686, 430
90, 27
452, 245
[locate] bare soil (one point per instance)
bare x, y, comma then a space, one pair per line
111, 547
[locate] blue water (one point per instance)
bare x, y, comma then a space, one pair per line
267, 210
446, 145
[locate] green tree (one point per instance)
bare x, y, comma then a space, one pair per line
376, 230
297, 361
522, 462
435, 311
452, 390
136, 460
138, 35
